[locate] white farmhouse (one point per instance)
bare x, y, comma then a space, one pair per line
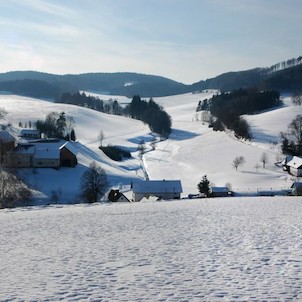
163, 189
294, 166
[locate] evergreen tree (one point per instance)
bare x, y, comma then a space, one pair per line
72, 135
204, 186
61, 125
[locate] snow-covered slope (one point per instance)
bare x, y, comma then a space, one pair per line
118, 131
193, 149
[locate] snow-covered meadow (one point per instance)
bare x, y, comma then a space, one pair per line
232, 249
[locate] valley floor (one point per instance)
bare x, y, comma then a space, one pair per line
232, 249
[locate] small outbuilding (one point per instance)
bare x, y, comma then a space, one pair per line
68, 155
117, 196
219, 192
163, 189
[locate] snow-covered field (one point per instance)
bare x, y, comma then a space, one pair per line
232, 249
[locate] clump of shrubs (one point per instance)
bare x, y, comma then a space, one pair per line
116, 153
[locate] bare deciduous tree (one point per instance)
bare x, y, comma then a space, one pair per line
264, 159
12, 189
297, 99
70, 123
292, 138
93, 183
3, 113
238, 161
101, 137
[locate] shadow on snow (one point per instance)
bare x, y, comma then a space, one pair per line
179, 135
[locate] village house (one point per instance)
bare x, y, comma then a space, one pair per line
30, 134
23, 156
294, 166
45, 154
163, 189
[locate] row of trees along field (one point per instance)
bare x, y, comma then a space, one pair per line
147, 111
228, 108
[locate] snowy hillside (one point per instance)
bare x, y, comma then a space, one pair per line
118, 131
193, 149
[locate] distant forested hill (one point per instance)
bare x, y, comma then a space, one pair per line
232, 80
284, 77
128, 84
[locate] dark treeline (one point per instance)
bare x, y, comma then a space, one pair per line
150, 113
147, 111
91, 102
228, 107
288, 80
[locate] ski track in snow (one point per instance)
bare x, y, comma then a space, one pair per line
232, 249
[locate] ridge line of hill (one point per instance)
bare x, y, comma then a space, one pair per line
285, 77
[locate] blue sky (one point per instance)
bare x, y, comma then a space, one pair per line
185, 40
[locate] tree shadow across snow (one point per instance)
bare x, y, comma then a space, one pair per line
260, 137
85, 150
254, 172
138, 139
179, 135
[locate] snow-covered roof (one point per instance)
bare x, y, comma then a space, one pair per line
25, 149
6, 137
29, 131
297, 184
70, 147
46, 153
219, 189
157, 186
296, 162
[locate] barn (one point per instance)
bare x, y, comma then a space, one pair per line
163, 189
68, 155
